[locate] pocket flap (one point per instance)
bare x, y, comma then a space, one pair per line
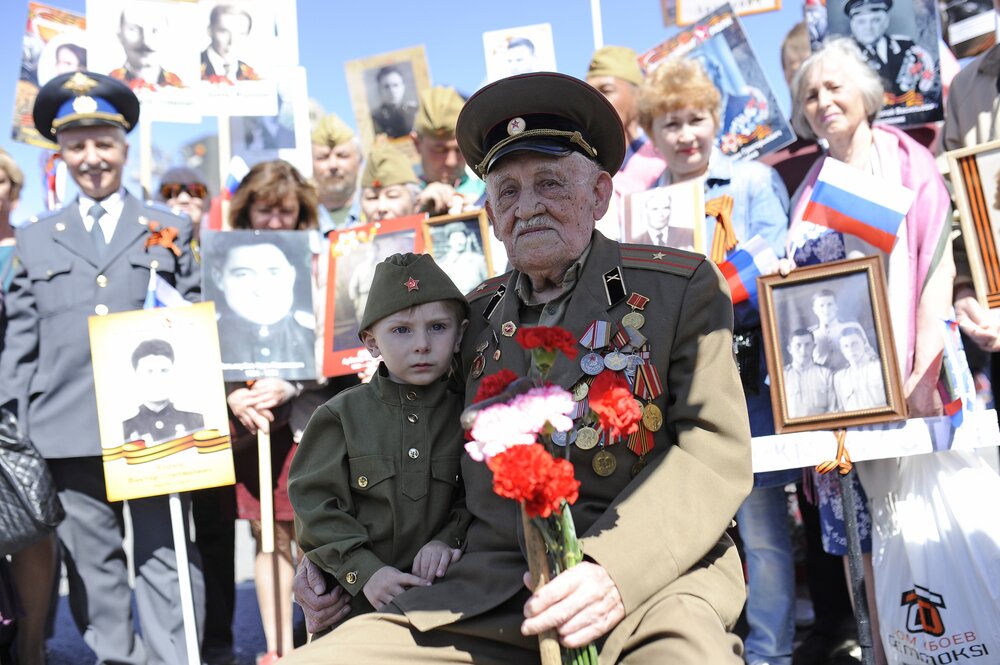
46, 270
370, 470
446, 469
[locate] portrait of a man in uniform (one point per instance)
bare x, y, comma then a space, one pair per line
902, 64
155, 384
228, 28
397, 106
143, 32
808, 386
520, 56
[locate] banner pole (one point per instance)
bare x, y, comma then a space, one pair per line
595, 17
267, 523
856, 564
184, 579
225, 148
146, 156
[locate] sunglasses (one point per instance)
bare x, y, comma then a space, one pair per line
196, 190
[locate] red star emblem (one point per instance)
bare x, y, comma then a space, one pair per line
412, 284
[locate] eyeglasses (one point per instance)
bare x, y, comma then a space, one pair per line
196, 190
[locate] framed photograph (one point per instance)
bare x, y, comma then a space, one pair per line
691, 11
829, 347
751, 123
671, 216
460, 244
969, 26
528, 48
901, 44
161, 405
261, 283
975, 176
385, 94
353, 255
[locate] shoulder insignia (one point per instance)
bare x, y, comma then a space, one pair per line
158, 206
42, 216
488, 287
662, 259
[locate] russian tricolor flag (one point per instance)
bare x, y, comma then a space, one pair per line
238, 170
849, 200
159, 293
752, 259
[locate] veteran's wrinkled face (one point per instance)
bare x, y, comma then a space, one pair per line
95, 157
544, 208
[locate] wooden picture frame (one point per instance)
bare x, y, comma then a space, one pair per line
975, 174
820, 324
354, 254
470, 263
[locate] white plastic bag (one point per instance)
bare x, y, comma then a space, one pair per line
936, 556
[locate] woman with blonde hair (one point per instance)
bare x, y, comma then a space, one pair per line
679, 109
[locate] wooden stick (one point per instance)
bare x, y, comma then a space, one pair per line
538, 564
267, 522
225, 147
184, 579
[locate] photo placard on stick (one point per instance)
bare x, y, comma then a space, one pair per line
671, 216
689, 11
353, 256
969, 27
284, 135
900, 41
521, 50
54, 43
261, 283
460, 244
385, 94
751, 123
975, 176
829, 347
161, 405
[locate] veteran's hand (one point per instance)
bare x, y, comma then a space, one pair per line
981, 326
321, 608
243, 404
437, 198
271, 392
582, 604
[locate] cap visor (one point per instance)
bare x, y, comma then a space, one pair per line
542, 145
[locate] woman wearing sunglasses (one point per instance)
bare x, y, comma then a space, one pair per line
183, 190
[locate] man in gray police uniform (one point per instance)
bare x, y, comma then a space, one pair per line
91, 257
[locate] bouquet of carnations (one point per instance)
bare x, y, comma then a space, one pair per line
511, 424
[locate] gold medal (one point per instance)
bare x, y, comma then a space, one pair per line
634, 320
586, 438
639, 465
478, 365
652, 417
604, 463
580, 390
616, 361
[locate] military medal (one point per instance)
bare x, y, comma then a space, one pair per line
604, 463
586, 438
597, 335
616, 361
508, 329
478, 365
634, 319
560, 438
580, 390
652, 417
496, 340
592, 364
639, 465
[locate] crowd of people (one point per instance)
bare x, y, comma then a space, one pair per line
391, 540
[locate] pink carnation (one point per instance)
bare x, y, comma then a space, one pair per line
519, 422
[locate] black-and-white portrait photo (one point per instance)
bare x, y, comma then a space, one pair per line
392, 98
460, 247
261, 285
666, 216
831, 362
226, 56
521, 50
156, 385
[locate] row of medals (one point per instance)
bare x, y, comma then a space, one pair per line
588, 437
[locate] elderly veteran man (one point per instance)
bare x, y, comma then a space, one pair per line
94, 256
661, 581
448, 186
336, 159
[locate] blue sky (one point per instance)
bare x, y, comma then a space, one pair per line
332, 32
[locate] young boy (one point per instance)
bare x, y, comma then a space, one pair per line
375, 479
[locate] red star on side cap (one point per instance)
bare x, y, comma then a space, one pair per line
412, 284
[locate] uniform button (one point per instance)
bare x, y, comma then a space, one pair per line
362, 481
101, 310
351, 577
456, 477
411, 395
551, 309
154, 264
158, 424
49, 273
413, 453
102, 281
265, 352
412, 418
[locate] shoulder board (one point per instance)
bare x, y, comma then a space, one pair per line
488, 287
41, 217
662, 259
159, 206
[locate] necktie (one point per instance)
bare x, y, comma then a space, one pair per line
96, 232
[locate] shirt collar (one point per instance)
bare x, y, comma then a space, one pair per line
219, 63
405, 393
523, 284
112, 204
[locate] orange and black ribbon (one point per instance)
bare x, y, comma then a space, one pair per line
842, 461
163, 237
138, 452
724, 238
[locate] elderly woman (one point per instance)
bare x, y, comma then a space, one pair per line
679, 109
275, 197
836, 97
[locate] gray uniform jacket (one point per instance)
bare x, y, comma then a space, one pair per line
59, 283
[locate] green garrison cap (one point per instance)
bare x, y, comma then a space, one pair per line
407, 280
84, 99
331, 131
545, 112
618, 61
387, 165
439, 109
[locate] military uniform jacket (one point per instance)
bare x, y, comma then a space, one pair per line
59, 283
376, 477
647, 530
163, 425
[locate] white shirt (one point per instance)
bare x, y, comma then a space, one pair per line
112, 212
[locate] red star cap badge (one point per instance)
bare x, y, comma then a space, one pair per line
412, 284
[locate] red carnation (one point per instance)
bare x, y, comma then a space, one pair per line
531, 475
612, 401
549, 338
494, 384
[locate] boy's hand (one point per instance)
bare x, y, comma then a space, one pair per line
433, 560
387, 583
